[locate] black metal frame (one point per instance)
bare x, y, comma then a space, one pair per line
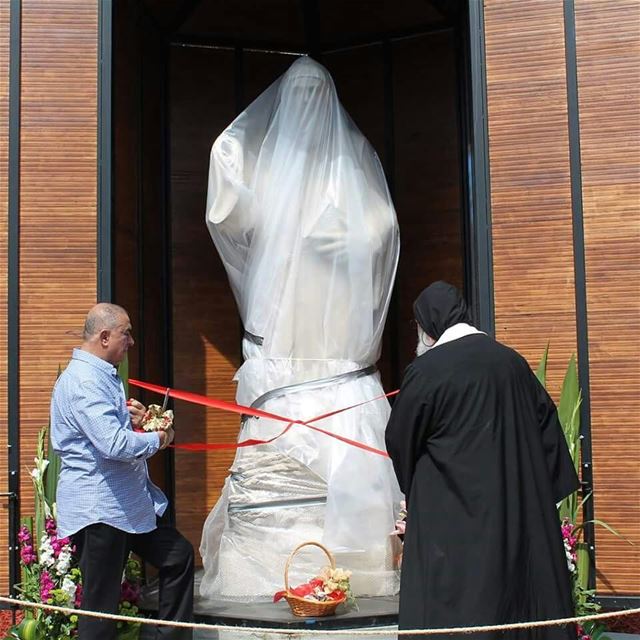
167, 301
614, 603
141, 253
580, 281
477, 221
390, 173
13, 291
105, 150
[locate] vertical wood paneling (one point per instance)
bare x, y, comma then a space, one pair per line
608, 55
58, 200
4, 206
530, 180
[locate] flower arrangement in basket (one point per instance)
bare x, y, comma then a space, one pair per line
321, 595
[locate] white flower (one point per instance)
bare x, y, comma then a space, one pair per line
69, 587
41, 467
47, 558
36, 474
64, 562
340, 574
567, 552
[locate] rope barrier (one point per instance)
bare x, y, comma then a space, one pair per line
325, 632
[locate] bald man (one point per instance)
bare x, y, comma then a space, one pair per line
105, 499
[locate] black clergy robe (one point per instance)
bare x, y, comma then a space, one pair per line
480, 455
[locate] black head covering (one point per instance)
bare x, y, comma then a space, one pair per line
439, 307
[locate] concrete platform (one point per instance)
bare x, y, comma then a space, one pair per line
379, 613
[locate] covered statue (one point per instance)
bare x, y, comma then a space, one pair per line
300, 213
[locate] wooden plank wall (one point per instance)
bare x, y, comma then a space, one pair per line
530, 181
532, 227
58, 201
608, 55
4, 204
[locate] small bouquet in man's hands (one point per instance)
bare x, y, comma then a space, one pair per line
155, 419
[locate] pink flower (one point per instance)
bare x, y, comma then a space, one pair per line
50, 527
46, 586
58, 544
78, 598
24, 535
567, 534
581, 633
129, 592
27, 555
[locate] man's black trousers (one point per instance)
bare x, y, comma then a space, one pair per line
103, 550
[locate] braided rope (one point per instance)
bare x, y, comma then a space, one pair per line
326, 632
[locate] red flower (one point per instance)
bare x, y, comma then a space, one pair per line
300, 591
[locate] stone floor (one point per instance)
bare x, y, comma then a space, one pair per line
239, 635
380, 614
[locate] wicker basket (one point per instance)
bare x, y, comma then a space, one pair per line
309, 608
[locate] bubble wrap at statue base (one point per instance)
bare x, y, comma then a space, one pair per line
259, 535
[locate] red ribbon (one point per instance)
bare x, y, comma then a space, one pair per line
232, 407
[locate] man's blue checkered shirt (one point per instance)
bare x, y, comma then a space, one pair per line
103, 476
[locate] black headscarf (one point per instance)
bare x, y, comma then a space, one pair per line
439, 307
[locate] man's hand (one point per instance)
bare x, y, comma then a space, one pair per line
136, 411
166, 438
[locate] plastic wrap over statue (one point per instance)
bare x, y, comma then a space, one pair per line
300, 213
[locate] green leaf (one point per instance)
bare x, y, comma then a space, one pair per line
584, 499
53, 469
541, 371
570, 398
123, 372
569, 416
29, 629
26, 521
39, 523
41, 507
52, 473
582, 565
607, 527
595, 629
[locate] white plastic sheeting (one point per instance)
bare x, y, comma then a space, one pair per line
300, 213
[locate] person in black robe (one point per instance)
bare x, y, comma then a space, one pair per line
480, 454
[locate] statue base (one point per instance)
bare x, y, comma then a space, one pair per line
379, 612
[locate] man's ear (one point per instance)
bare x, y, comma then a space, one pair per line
104, 336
